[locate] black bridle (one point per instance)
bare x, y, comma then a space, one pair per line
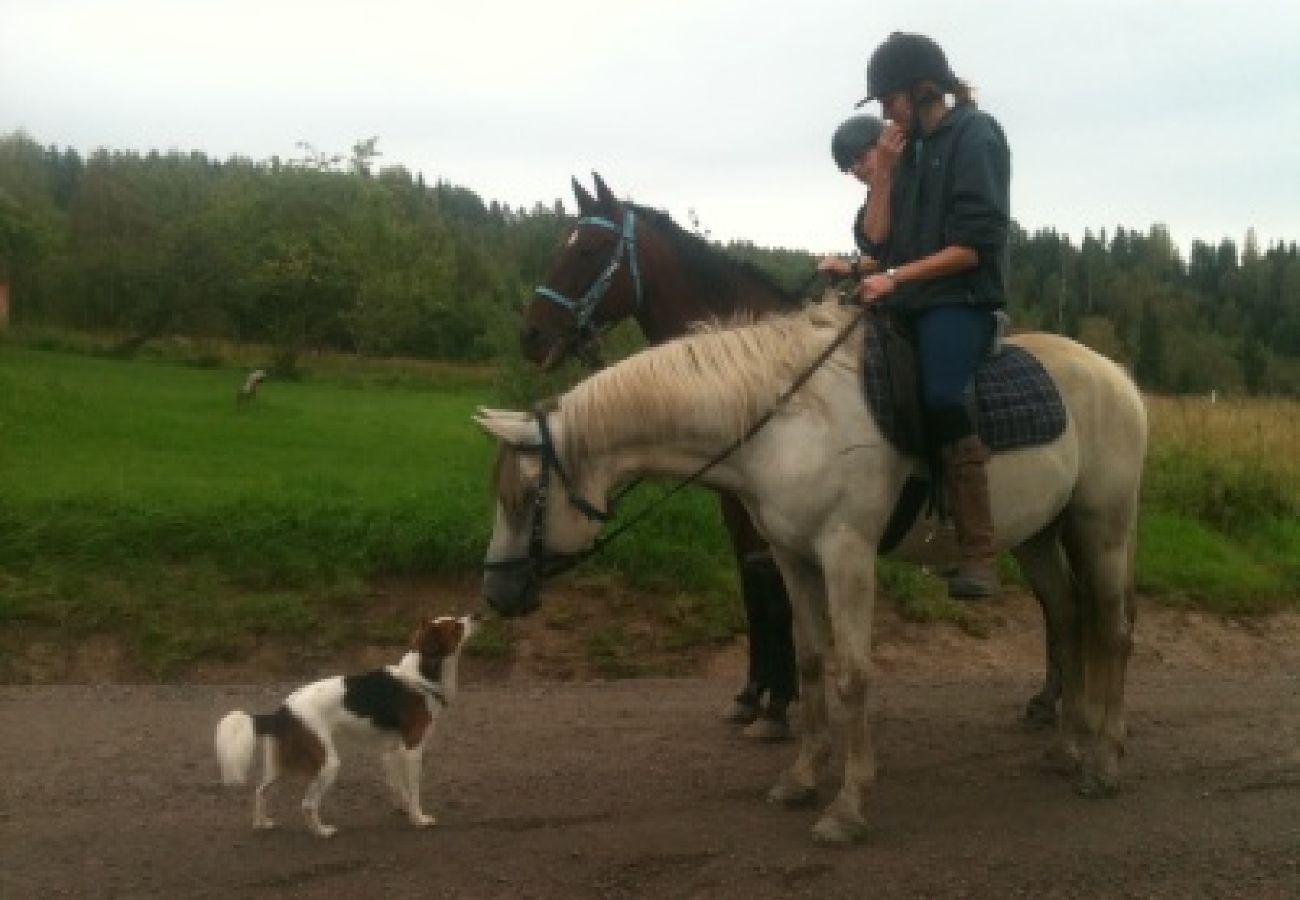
540, 563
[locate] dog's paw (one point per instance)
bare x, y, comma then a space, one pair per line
423, 820
263, 824
325, 831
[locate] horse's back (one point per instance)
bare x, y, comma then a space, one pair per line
1105, 408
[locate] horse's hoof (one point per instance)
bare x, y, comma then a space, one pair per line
741, 712
1040, 714
837, 831
772, 731
1058, 760
791, 796
1092, 786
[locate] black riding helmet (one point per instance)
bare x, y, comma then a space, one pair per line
853, 138
903, 60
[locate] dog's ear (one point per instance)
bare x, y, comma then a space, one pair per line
419, 635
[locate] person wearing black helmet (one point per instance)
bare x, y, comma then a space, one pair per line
857, 147
944, 265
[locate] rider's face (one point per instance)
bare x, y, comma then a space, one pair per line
864, 168
898, 108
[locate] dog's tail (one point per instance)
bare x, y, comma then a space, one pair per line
235, 740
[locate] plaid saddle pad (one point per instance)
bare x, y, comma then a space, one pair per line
1016, 403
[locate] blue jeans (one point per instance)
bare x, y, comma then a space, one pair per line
951, 341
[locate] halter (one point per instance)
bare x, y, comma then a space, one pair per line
584, 308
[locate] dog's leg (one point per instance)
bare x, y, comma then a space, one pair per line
412, 759
329, 770
270, 772
395, 775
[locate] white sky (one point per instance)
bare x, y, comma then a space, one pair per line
1118, 112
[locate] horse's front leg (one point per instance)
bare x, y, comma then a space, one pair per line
850, 566
797, 786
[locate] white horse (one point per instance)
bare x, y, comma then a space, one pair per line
821, 481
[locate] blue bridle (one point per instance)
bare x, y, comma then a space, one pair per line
584, 308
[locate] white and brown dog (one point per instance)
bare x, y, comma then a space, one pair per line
396, 704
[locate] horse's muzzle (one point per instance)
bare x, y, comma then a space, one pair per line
511, 594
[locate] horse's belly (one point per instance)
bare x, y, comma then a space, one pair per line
1027, 490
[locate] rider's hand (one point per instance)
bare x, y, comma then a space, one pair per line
875, 286
833, 265
889, 146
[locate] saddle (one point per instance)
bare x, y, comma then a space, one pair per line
1012, 401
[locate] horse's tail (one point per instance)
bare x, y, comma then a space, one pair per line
235, 741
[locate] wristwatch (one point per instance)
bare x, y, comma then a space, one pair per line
892, 274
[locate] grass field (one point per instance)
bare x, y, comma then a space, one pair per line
137, 498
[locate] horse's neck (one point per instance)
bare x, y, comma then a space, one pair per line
676, 299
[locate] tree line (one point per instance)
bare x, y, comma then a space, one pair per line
331, 251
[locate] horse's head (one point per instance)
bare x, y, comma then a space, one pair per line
543, 525
595, 281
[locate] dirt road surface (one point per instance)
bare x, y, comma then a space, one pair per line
594, 789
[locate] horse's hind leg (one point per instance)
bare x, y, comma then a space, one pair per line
1101, 545
1043, 563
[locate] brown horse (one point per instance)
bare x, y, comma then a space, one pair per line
624, 260
628, 261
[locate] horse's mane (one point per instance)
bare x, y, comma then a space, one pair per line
716, 271
507, 486
711, 385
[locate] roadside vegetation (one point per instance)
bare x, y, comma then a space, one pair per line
139, 500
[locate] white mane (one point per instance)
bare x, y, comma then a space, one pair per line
711, 385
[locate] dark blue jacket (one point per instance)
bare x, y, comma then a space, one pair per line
952, 187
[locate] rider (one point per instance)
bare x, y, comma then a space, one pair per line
944, 263
855, 148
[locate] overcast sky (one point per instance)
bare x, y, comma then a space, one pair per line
1118, 112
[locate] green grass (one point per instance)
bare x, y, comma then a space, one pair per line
136, 498
1188, 563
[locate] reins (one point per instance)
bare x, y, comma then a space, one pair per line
549, 564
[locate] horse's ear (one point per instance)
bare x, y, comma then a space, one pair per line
603, 194
510, 429
489, 413
585, 203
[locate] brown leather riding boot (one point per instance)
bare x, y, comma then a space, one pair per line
966, 480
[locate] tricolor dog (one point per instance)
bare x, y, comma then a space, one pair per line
396, 704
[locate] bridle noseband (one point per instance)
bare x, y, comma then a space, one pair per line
584, 308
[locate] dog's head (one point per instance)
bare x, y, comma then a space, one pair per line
442, 637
